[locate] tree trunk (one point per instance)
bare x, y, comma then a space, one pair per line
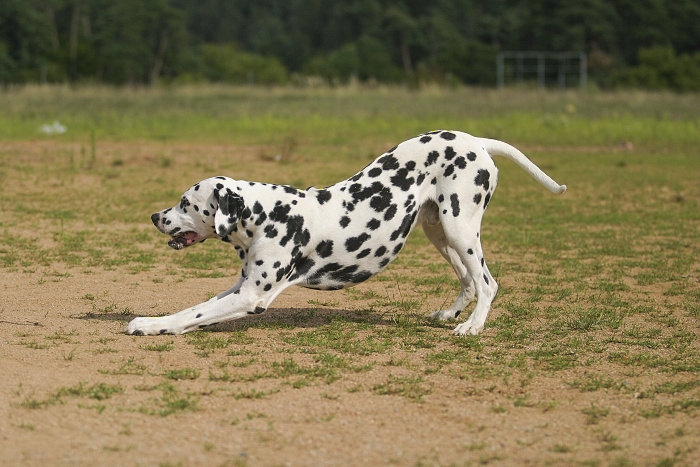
160, 58
73, 48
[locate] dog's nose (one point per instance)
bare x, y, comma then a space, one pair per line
155, 218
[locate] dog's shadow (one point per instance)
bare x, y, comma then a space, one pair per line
273, 318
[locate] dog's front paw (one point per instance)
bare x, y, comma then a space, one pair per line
468, 328
148, 327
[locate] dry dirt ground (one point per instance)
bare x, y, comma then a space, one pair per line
75, 390
48, 344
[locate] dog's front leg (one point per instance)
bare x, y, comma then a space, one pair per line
233, 304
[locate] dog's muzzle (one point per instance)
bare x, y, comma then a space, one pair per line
183, 239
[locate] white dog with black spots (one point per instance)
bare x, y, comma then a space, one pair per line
342, 235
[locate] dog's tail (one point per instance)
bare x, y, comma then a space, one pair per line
500, 148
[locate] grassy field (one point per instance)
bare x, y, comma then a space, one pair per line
590, 355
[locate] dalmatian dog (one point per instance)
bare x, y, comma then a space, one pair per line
339, 236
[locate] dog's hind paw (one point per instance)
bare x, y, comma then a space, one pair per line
467, 328
444, 315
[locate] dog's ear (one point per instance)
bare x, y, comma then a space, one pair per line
228, 213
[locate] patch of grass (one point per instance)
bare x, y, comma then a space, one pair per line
130, 367
251, 394
595, 413
207, 341
97, 391
161, 347
338, 336
592, 383
412, 388
170, 402
182, 373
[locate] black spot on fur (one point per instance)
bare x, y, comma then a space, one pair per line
373, 224
471, 156
388, 162
390, 213
380, 251
375, 172
397, 248
280, 213
432, 158
345, 274
270, 231
460, 163
420, 179
258, 310
323, 196
344, 221
360, 194
486, 279
199, 315
454, 200
449, 170
357, 176
404, 228
470, 251
477, 198
401, 179
354, 243
360, 277
482, 178
261, 218
325, 248
303, 266
425, 139
363, 253
447, 135
381, 200
316, 277
296, 232
487, 199
449, 153
267, 287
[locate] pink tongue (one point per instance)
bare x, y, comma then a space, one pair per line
190, 237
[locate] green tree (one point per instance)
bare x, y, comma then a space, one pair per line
24, 40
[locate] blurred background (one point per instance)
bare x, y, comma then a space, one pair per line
650, 44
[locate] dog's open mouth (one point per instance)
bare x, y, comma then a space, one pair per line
183, 239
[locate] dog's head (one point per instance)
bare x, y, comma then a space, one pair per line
209, 209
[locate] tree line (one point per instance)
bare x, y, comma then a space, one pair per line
641, 43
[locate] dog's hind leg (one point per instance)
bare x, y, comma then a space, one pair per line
436, 235
467, 245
